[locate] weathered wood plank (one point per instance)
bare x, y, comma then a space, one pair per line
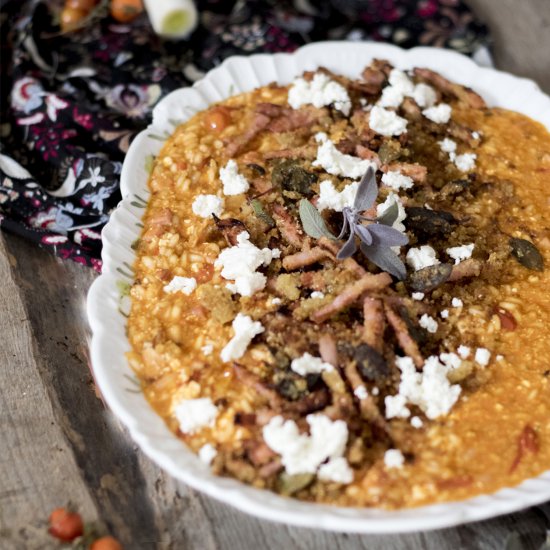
37, 468
521, 34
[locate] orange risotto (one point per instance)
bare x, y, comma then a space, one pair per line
341, 290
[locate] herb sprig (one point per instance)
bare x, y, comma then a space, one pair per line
376, 237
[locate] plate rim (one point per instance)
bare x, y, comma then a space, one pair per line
104, 304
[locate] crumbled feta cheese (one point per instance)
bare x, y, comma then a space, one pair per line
391, 96
207, 453
463, 351
417, 295
337, 470
450, 360
440, 114
361, 392
336, 200
181, 284
465, 162
207, 349
475, 135
499, 357
319, 92
195, 414
386, 123
429, 389
206, 205
400, 80
337, 163
244, 329
424, 95
375, 391
447, 145
393, 458
419, 258
396, 406
317, 295
302, 453
233, 182
459, 253
444, 314
388, 203
239, 264
416, 422
276, 301
397, 181
457, 302
308, 364
482, 356
428, 322
401, 86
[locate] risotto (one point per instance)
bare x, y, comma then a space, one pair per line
341, 291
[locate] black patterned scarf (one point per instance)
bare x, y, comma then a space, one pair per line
72, 103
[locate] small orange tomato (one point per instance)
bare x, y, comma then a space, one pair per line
125, 11
217, 119
70, 18
84, 5
65, 525
106, 543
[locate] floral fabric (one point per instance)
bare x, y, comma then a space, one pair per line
71, 103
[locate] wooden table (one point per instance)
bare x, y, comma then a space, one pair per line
59, 443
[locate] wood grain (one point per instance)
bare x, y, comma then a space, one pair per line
58, 443
521, 35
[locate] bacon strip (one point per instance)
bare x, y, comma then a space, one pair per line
462, 93
462, 133
373, 323
327, 349
288, 226
348, 263
237, 143
305, 152
350, 294
376, 74
367, 406
231, 228
159, 224
411, 109
466, 268
405, 340
304, 258
415, 171
311, 402
365, 153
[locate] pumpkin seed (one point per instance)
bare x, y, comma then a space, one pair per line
428, 278
290, 484
527, 254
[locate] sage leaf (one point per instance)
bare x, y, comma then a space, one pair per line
389, 215
312, 221
366, 192
386, 259
387, 236
348, 249
364, 234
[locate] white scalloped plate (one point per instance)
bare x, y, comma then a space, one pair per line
107, 305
